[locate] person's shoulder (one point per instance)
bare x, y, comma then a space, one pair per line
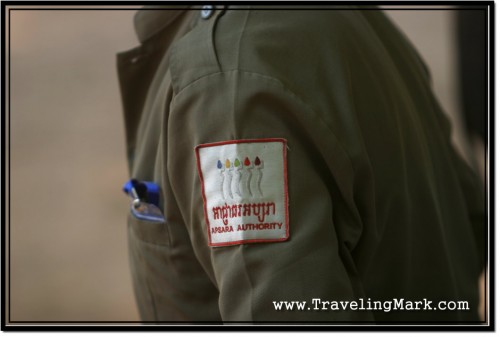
247, 38
303, 48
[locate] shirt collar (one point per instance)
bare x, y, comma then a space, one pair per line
151, 19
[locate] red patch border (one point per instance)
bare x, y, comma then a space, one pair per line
285, 175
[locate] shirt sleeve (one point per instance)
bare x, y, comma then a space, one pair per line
313, 267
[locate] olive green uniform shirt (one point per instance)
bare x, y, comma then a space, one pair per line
380, 206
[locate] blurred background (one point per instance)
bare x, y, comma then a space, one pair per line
68, 250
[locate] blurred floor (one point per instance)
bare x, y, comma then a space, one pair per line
68, 240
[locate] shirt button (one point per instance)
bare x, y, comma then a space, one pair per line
207, 11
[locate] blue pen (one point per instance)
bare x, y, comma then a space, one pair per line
145, 198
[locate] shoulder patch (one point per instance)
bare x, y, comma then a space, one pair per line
245, 190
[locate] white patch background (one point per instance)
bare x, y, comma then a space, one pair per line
237, 187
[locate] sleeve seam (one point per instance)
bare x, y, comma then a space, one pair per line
285, 89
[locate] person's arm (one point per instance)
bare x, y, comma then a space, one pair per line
314, 262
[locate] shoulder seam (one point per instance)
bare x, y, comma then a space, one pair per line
285, 89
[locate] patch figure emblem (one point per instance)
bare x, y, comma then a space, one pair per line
245, 191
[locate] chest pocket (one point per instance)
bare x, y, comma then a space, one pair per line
154, 232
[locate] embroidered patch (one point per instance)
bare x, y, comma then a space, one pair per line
245, 191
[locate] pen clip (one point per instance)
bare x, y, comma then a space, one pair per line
136, 200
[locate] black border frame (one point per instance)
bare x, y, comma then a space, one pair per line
245, 326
